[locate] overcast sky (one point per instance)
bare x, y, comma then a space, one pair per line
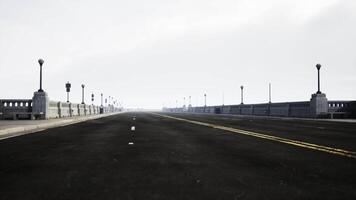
152, 53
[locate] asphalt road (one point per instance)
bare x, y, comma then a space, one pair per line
172, 159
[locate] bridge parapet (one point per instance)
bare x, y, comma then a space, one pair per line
342, 109
302, 109
15, 108
24, 109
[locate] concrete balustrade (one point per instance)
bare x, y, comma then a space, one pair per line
15, 108
40, 107
337, 108
302, 109
64, 109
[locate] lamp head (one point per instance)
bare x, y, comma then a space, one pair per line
40, 61
68, 85
318, 66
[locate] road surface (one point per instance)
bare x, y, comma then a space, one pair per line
181, 156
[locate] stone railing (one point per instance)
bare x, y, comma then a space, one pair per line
59, 109
15, 108
342, 109
317, 107
288, 109
46, 109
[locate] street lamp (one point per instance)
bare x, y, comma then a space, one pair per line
204, 100
83, 93
270, 93
101, 99
68, 86
318, 66
242, 94
40, 61
223, 99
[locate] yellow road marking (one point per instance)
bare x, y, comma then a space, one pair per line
332, 150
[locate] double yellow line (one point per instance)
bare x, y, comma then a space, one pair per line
337, 151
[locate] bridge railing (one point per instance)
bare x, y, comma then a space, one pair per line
15, 108
342, 109
303, 109
22, 109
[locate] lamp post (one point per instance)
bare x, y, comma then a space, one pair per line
40, 61
223, 99
318, 66
270, 93
101, 99
83, 93
242, 94
68, 86
204, 100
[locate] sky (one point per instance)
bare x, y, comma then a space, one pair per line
150, 54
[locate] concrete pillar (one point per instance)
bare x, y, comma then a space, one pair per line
40, 104
101, 110
79, 111
60, 110
318, 105
1, 110
71, 110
